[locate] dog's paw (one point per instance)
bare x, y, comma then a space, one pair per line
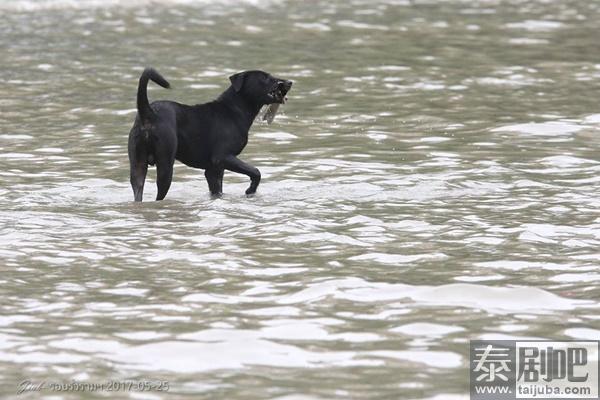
250, 191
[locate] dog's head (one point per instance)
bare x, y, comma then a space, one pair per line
261, 87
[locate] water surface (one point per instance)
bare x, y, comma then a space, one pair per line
433, 179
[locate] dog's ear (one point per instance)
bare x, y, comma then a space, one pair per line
237, 80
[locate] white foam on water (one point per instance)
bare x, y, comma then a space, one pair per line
39, 357
480, 278
583, 333
126, 291
240, 348
397, 258
516, 80
535, 25
527, 41
42, 5
15, 137
16, 155
234, 350
436, 359
592, 119
493, 299
561, 231
203, 86
276, 135
502, 336
87, 345
426, 329
313, 26
49, 150
552, 128
573, 278
448, 397
489, 298
361, 25
125, 112
520, 265
566, 161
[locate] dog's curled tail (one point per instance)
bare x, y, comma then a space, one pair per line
145, 111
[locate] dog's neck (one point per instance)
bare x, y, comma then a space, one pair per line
240, 104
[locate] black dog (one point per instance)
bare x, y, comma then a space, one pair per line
207, 136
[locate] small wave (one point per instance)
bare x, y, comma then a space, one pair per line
552, 128
535, 25
42, 5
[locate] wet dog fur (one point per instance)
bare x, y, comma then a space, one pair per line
209, 136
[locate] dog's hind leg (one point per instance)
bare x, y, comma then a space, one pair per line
138, 170
164, 154
214, 177
138, 164
164, 176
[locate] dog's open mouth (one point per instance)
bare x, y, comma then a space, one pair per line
280, 91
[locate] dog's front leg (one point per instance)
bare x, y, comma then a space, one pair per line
234, 164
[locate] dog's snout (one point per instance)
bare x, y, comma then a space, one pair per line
285, 85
